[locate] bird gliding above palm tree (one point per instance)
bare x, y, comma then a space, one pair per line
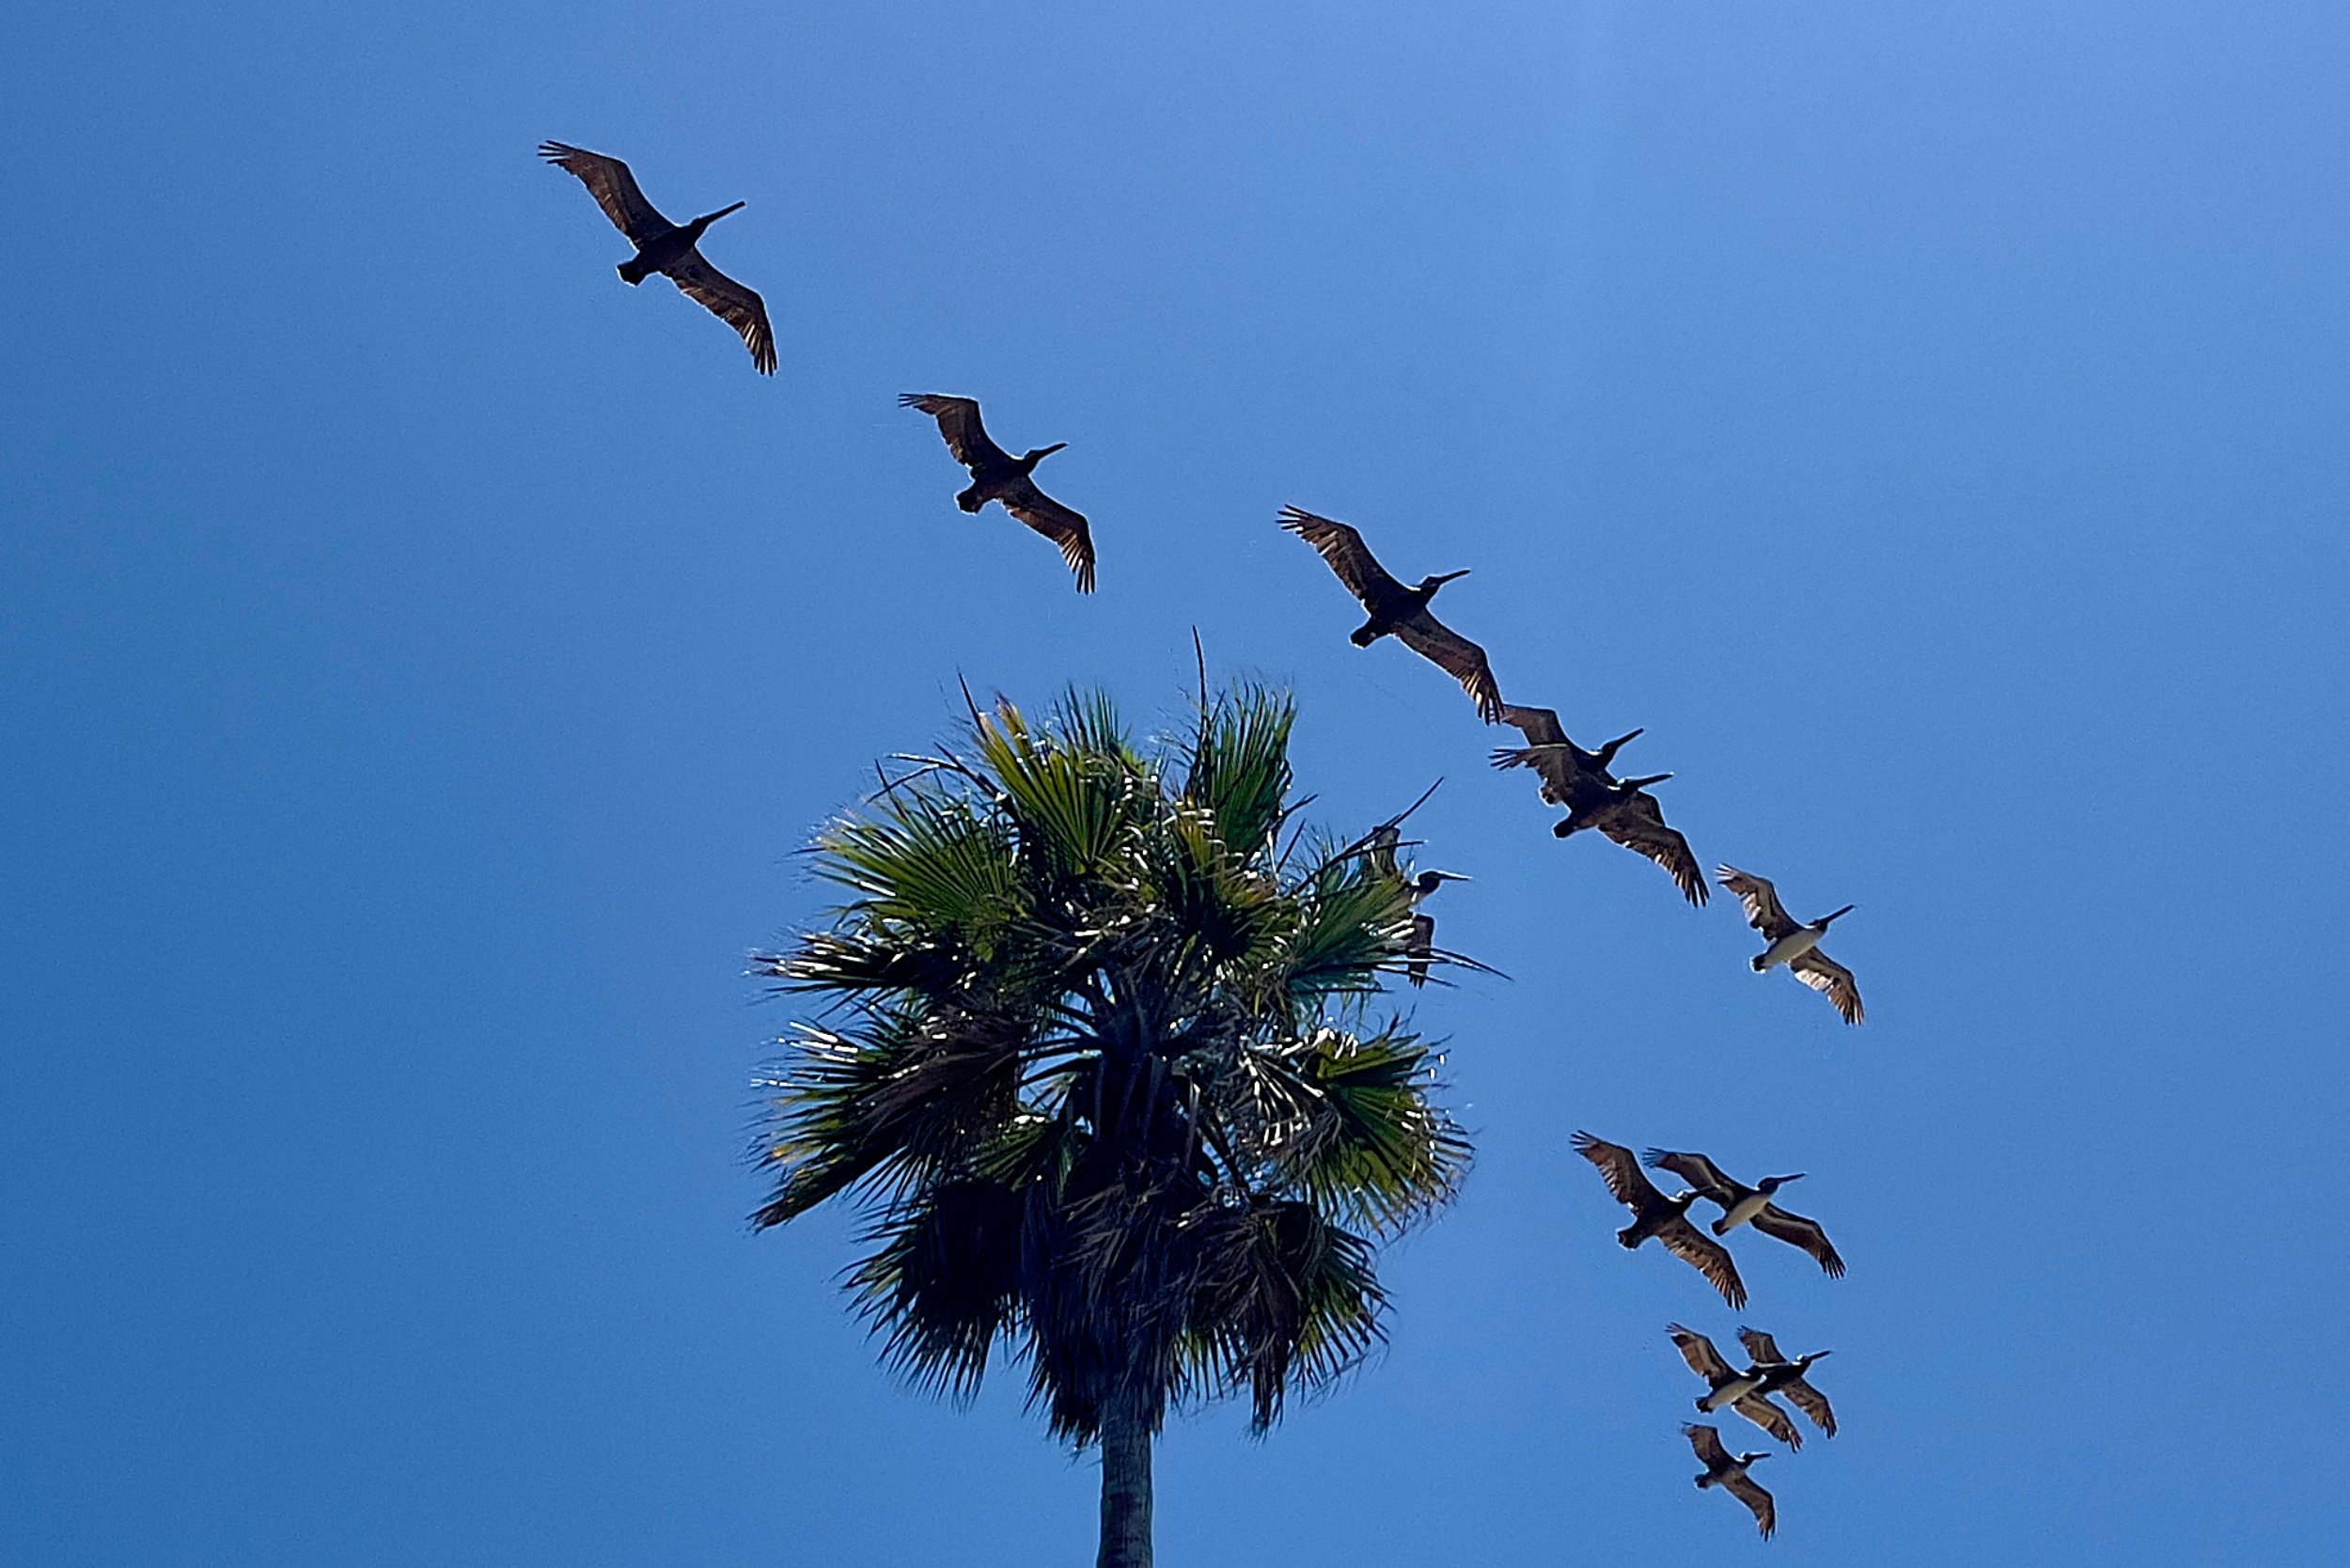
999, 476
1107, 1089
1397, 610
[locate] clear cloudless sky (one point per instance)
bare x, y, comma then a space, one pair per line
421, 657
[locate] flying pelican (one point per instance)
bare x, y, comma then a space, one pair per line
1655, 1215
663, 246
1729, 1474
1401, 610
1725, 1390
1422, 947
1795, 946
1742, 1204
1779, 1374
998, 476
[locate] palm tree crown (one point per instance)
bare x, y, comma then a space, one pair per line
1103, 1077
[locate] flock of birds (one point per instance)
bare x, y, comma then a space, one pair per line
1580, 781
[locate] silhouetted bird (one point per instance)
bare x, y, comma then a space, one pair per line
998, 476
1622, 809
1397, 609
1655, 1215
1742, 1204
1780, 1374
1795, 946
1728, 1472
1420, 949
1726, 1389
665, 248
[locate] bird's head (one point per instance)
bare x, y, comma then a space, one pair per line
1630, 785
1750, 1458
708, 218
1805, 1361
1830, 919
1606, 754
1429, 584
1772, 1183
1039, 454
1428, 882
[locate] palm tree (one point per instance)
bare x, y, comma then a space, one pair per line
1102, 1076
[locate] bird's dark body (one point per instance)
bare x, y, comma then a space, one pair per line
1651, 1220
996, 482
1389, 613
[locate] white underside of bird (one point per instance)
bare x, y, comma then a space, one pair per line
1789, 948
1730, 1393
1741, 1212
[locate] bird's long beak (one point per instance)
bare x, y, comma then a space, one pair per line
1447, 576
1644, 783
724, 211
1840, 914
1048, 451
1622, 741
1453, 876
1796, 1177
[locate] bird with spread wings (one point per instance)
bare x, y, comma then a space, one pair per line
999, 476
1399, 610
669, 248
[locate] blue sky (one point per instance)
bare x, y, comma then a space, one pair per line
423, 656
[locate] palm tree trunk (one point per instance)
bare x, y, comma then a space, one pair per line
1125, 1487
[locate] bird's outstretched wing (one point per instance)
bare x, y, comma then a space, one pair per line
958, 422
1062, 526
1560, 769
1709, 1258
1812, 1403
1698, 1171
1707, 1441
1796, 1230
1770, 1418
1700, 1353
1458, 657
1759, 1345
1638, 824
1763, 911
1540, 726
1746, 1490
1348, 556
1831, 980
615, 189
1420, 949
1620, 1168
1380, 850
739, 307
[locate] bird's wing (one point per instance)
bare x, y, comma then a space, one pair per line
1770, 1418
1063, 526
1558, 766
1812, 1403
1385, 840
1798, 1231
958, 422
1698, 1171
1458, 657
1709, 1258
1700, 1353
1423, 946
1540, 726
1759, 1345
1348, 556
1831, 980
615, 189
1763, 912
739, 307
1638, 825
1707, 1441
1620, 1168
1746, 1490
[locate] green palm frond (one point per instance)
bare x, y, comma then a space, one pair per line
1099, 1082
